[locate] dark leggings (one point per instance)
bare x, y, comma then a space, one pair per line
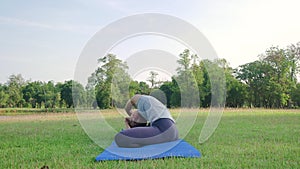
162, 130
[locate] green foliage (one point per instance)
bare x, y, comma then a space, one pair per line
71, 94
33, 94
111, 82
216, 72
205, 87
14, 87
3, 96
78, 95
186, 81
191, 87
136, 87
168, 89
296, 96
236, 92
143, 88
18, 93
270, 80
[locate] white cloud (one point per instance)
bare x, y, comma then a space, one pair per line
83, 29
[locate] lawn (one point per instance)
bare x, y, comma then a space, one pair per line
245, 138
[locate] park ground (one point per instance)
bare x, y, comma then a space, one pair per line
245, 138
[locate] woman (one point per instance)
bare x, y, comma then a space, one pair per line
162, 126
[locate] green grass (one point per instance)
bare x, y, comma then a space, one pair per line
244, 139
18, 111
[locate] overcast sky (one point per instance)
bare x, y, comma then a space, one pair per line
42, 40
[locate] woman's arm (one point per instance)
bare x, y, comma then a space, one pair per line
128, 107
131, 102
127, 121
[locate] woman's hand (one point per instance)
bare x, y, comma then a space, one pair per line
127, 121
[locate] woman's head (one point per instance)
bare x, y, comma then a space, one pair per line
136, 120
136, 117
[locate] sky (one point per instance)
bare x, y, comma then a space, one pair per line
42, 40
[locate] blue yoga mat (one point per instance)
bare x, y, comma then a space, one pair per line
179, 148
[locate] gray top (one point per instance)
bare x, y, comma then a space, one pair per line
152, 109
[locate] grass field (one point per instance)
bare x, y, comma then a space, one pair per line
254, 138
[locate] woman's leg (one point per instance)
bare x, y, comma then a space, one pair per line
162, 131
135, 137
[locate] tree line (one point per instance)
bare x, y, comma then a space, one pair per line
269, 82
18, 93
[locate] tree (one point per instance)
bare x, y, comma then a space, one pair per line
279, 80
103, 96
3, 96
167, 88
271, 79
184, 61
211, 83
136, 87
205, 86
198, 73
90, 97
152, 78
296, 95
65, 90
236, 90
186, 81
15, 84
111, 82
293, 56
50, 95
72, 94
216, 71
119, 86
133, 88
143, 88
78, 94
255, 76
33, 94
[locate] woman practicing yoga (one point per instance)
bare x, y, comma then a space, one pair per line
162, 127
